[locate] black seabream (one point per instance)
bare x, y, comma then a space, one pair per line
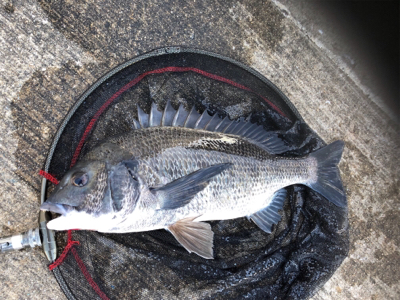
179, 169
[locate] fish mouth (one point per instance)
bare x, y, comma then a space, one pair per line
58, 208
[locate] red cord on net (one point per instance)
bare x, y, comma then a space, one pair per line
89, 278
90, 126
70, 242
159, 71
49, 177
61, 258
68, 247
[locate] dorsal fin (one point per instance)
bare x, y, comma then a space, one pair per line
202, 121
213, 123
136, 124
180, 116
143, 118
155, 116
225, 122
254, 133
192, 118
168, 115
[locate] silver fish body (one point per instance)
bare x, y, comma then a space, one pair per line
176, 177
241, 190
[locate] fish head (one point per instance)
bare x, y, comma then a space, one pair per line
92, 194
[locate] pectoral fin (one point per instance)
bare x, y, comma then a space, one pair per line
269, 215
180, 191
195, 237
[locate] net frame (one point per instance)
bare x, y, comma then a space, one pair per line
289, 112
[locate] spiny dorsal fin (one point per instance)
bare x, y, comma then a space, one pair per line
168, 115
155, 116
143, 118
180, 116
136, 124
203, 120
192, 118
254, 133
213, 123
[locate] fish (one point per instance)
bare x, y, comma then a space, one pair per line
179, 169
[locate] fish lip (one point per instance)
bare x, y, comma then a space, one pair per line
58, 208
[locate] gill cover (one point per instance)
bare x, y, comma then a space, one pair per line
124, 185
92, 191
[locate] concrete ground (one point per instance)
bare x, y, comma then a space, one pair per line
52, 51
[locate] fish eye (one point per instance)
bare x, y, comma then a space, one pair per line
80, 179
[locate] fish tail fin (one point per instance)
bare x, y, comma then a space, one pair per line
328, 182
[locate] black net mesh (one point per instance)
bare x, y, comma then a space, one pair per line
302, 252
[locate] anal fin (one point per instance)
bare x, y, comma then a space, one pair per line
269, 215
195, 237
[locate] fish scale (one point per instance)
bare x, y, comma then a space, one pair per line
154, 140
201, 168
248, 176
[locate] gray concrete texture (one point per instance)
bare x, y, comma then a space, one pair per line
52, 51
